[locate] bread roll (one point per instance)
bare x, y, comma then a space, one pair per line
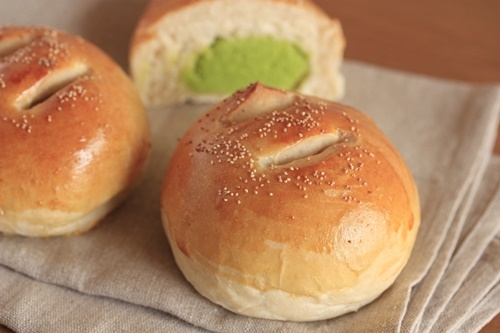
74, 135
203, 50
283, 206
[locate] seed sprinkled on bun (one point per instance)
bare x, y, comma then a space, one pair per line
73, 131
285, 206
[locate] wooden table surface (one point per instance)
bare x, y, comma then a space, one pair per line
455, 39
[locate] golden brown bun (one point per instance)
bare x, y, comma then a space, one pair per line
74, 135
171, 32
284, 206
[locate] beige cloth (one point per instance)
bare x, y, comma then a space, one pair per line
445, 132
477, 250
122, 277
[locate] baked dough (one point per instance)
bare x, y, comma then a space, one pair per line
285, 206
171, 33
74, 135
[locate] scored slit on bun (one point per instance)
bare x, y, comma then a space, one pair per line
74, 135
285, 206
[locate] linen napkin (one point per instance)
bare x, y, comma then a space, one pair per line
483, 313
483, 278
422, 294
444, 130
27, 305
477, 247
54, 309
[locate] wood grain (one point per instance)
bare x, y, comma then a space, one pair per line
453, 39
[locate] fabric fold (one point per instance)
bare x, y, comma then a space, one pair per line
483, 313
443, 129
484, 277
470, 250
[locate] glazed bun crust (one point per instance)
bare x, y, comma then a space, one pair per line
171, 32
284, 206
74, 135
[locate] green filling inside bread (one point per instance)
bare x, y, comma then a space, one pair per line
231, 64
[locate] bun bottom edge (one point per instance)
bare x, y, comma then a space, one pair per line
249, 301
68, 224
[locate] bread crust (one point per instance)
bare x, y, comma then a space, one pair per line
159, 9
285, 194
170, 32
74, 134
